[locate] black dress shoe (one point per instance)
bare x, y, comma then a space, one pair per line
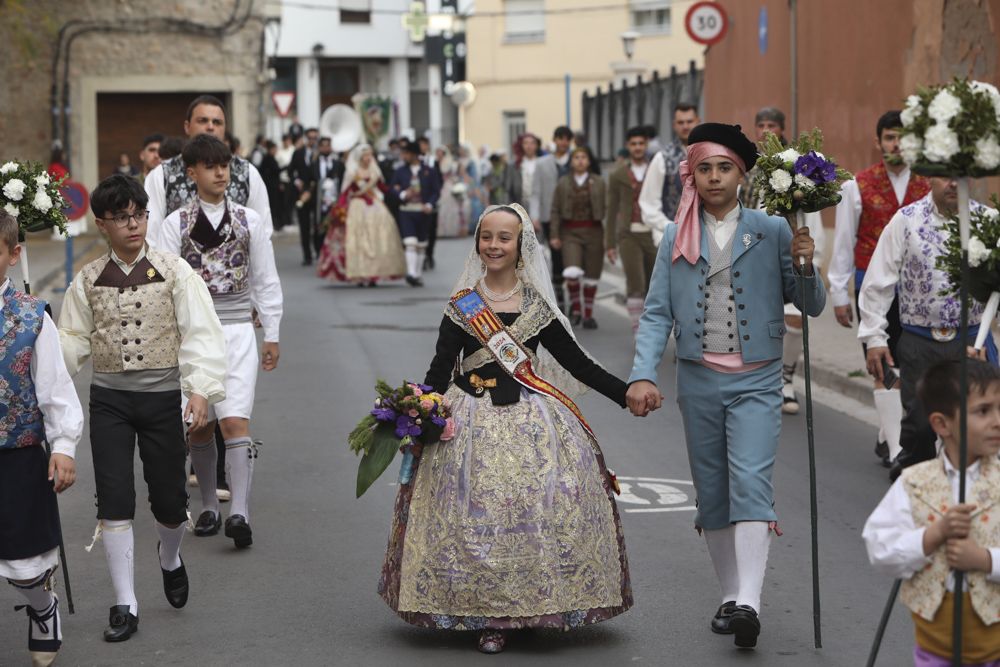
882, 451
590, 323
575, 319
239, 530
208, 523
895, 469
122, 624
175, 583
720, 622
743, 623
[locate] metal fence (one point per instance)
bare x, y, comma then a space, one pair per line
607, 115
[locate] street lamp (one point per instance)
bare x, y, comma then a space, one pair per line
628, 43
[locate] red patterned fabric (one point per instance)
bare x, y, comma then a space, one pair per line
878, 205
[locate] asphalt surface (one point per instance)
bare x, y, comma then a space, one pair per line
304, 594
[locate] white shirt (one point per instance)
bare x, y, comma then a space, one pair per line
651, 197
528, 193
896, 546
639, 170
845, 234
256, 199
581, 178
62, 414
201, 357
265, 286
724, 229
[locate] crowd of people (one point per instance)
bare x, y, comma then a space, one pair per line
510, 521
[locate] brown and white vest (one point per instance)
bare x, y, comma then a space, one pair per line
930, 496
134, 319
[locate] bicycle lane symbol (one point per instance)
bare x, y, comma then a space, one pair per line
654, 494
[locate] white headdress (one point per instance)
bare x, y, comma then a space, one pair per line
535, 273
354, 163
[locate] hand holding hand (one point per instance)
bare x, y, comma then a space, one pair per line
62, 470
643, 397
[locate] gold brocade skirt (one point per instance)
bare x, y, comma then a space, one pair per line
512, 523
372, 245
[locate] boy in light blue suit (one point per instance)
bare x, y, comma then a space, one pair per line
722, 276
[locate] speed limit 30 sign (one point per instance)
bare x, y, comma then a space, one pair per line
706, 22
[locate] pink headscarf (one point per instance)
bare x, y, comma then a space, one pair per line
688, 241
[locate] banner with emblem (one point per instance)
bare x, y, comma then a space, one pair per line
377, 117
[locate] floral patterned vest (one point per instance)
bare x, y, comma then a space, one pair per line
930, 495
878, 205
180, 190
20, 417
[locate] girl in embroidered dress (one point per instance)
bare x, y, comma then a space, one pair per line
511, 523
362, 242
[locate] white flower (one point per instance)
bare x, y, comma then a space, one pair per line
940, 143
912, 111
910, 147
990, 214
978, 252
14, 189
42, 201
789, 155
780, 180
944, 107
983, 87
988, 152
804, 182
8, 167
42, 179
12, 210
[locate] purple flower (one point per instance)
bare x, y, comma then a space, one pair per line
384, 414
816, 168
405, 427
439, 421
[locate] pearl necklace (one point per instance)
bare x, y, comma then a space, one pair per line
499, 298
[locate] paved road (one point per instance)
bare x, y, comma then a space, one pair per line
305, 593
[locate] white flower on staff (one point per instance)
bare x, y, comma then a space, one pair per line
804, 182
983, 87
12, 210
940, 143
978, 253
789, 155
8, 167
988, 152
910, 147
944, 107
42, 201
42, 179
912, 111
14, 189
991, 214
780, 180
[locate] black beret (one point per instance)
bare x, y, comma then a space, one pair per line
730, 136
409, 146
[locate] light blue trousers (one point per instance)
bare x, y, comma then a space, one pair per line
732, 422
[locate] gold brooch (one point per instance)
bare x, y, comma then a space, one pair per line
480, 384
151, 273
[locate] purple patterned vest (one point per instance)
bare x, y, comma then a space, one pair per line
180, 190
221, 256
20, 417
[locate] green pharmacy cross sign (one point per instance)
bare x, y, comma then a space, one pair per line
416, 21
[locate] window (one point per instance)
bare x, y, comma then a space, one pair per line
515, 123
651, 16
524, 20
356, 11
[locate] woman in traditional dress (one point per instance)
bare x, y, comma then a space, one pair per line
362, 241
453, 206
511, 523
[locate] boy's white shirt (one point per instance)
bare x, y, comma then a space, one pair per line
896, 545
265, 286
62, 414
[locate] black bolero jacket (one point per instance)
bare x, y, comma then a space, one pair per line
453, 339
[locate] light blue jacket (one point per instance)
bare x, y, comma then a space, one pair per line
762, 277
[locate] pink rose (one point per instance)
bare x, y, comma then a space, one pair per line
414, 413
427, 404
449, 430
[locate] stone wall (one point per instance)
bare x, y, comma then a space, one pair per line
128, 47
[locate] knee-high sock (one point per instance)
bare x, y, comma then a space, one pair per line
791, 348
204, 457
34, 591
418, 263
753, 539
44, 636
589, 294
575, 300
889, 406
722, 550
410, 253
635, 306
119, 547
170, 545
239, 470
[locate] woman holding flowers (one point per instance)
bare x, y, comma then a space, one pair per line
510, 522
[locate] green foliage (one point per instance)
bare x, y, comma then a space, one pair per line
984, 252
363, 435
384, 445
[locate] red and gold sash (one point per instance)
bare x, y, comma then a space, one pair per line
506, 350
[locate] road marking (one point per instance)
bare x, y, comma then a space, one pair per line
667, 497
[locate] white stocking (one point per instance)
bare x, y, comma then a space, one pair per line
170, 545
204, 457
889, 406
119, 547
753, 538
722, 550
239, 471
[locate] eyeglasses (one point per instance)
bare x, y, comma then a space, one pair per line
122, 219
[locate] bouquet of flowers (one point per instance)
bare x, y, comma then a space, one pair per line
953, 130
404, 419
797, 177
28, 193
459, 190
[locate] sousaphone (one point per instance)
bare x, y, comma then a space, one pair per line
343, 125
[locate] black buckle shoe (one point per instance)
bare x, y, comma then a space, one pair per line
743, 623
590, 323
720, 622
122, 624
175, 583
208, 523
882, 451
239, 530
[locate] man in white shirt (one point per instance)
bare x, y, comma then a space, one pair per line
661, 190
868, 203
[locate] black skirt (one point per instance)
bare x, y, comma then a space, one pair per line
29, 516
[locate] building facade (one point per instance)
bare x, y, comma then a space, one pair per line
522, 51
